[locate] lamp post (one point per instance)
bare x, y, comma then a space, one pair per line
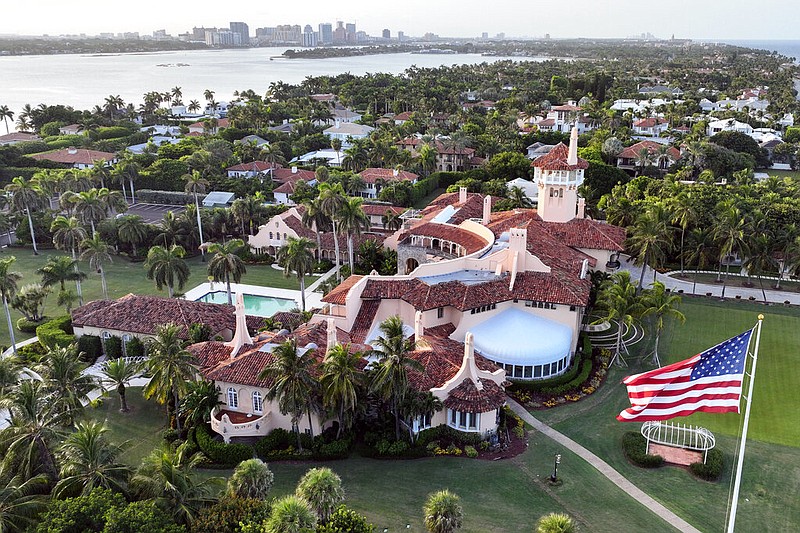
557, 462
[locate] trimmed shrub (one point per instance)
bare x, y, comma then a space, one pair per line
57, 332
134, 348
344, 520
226, 515
470, 452
220, 453
712, 468
113, 347
445, 433
634, 445
91, 346
31, 352
27, 326
149, 196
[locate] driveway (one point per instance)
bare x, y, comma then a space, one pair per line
153, 213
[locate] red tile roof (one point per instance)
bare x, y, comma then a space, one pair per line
566, 107
339, 293
441, 147
19, 136
371, 175
632, 152
649, 122
586, 233
75, 156
287, 187
364, 320
470, 241
380, 209
556, 159
467, 397
405, 115
282, 175
441, 359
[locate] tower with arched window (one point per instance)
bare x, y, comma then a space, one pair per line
557, 176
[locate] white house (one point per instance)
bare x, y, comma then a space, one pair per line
377, 178
718, 126
652, 126
254, 169
345, 131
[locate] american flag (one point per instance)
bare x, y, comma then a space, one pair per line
710, 381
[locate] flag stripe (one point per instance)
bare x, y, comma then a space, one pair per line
674, 389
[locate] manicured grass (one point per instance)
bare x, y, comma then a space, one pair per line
771, 476
122, 277
739, 281
141, 427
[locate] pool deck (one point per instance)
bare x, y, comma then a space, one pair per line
313, 299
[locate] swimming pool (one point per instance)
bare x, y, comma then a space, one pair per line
253, 304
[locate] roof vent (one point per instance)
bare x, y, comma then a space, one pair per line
72, 150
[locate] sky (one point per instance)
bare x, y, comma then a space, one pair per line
696, 19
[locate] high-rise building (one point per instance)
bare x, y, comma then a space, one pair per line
485, 35
387, 34
309, 36
325, 33
243, 30
401, 36
198, 34
350, 28
339, 34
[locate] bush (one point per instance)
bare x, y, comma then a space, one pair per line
712, 469
344, 520
27, 326
113, 347
564, 378
57, 332
633, 445
470, 452
140, 516
226, 515
574, 383
220, 453
82, 513
31, 352
338, 449
91, 346
199, 332
149, 196
134, 348
446, 434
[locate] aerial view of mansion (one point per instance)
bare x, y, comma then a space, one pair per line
485, 295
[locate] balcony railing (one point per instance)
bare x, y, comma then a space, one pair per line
234, 424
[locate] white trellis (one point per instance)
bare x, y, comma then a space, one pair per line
678, 436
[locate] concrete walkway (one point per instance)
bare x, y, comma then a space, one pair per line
604, 468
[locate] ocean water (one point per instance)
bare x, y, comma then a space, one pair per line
787, 48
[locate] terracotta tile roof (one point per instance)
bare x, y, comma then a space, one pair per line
556, 159
546, 123
141, 314
649, 122
567, 107
405, 115
467, 397
586, 233
441, 359
19, 136
289, 320
287, 187
284, 174
380, 210
441, 147
363, 321
442, 330
74, 156
254, 166
339, 293
221, 123
470, 241
632, 152
371, 175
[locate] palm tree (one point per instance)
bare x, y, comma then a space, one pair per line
89, 460
173, 229
246, 211
193, 107
518, 198
390, 378
201, 398
250, 479
6, 114
8, 288
97, 253
226, 264
196, 184
760, 257
331, 200
443, 512
63, 376
352, 219
297, 257
651, 238
618, 302
291, 382
10, 367
643, 159
703, 251
68, 235
170, 366
58, 270
322, 489
684, 215
729, 231
340, 381
658, 303
89, 205
26, 196
21, 502
555, 523
789, 251
291, 514
127, 169
132, 230
391, 220
167, 266
118, 373
314, 218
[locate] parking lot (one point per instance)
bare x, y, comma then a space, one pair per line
153, 213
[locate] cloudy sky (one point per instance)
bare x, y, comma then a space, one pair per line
710, 19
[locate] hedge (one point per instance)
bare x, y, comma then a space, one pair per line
634, 445
57, 332
27, 326
281, 444
712, 468
577, 381
134, 348
148, 196
444, 432
112, 347
91, 346
220, 453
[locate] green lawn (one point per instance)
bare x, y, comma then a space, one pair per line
123, 277
771, 477
425, 200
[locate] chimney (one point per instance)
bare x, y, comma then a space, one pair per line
241, 337
581, 208
462, 195
572, 159
331, 335
419, 331
285, 121
518, 240
72, 150
337, 123
487, 210
294, 170
395, 173
469, 360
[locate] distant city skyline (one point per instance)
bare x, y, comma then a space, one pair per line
709, 19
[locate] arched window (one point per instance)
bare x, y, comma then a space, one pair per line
270, 235
285, 237
233, 398
258, 403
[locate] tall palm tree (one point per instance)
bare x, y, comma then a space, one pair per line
314, 218
684, 215
322, 489
660, 304
297, 257
390, 378
201, 398
58, 270
789, 251
391, 220
89, 205
196, 184
331, 200
702, 251
352, 220
8, 288
518, 198
618, 302
132, 230
227, 264
246, 211
98, 254
761, 248
118, 373
26, 196
340, 381
729, 231
127, 169
650, 240
173, 230
443, 512
89, 460
68, 235
64, 379
6, 114
21, 502
170, 366
292, 383
167, 266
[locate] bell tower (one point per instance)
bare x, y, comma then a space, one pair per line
558, 176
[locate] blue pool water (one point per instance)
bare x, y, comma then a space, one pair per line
253, 304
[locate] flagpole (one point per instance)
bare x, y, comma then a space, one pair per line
738, 482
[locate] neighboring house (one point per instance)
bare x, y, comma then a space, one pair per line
283, 192
155, 141
376, 212
287, 127
347, 131
282, 175
218, 199
327, 98
448, 158
537, 150
707, 105
139, 316
327, 157
528, 187
18, 137
219, 108
628, 159
72, 129
201, 128
162, 130
652, 126
661, 89
402, 118
718, 126
563, 118
77, 157
259, 141
377, 178
488, 105
254, 169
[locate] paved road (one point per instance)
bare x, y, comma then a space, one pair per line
152, 213
604, 468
